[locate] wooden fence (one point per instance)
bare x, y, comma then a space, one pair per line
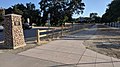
52, 33
45, 34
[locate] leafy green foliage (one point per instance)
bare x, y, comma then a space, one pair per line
92, 15
60, 10
118, 19
1, 15
112, 12
95, 18
1, 19
27, 11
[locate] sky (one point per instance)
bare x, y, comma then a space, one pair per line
97, 6
91, 6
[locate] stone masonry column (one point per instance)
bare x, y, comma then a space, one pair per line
13, 32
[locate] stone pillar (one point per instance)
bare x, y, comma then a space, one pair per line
14, 37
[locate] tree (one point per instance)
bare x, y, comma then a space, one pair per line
58, 9
9, 10
118, 19
112, 12
32, 13
1, 19
95, 18
2, 12
27, 11
16, 9
92, 15
30, 6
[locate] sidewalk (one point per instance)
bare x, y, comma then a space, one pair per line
71, 53
66, 52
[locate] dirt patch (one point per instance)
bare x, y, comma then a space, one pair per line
106, 42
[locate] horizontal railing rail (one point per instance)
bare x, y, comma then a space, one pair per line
56, 33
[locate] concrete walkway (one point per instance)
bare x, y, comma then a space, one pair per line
66, 52
71, 53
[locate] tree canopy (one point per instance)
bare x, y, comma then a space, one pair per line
95, 18
27, 11
92, 15
2, 12
59, 10
112, 12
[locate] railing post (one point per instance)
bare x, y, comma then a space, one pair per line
62, 30
38, 36
52, 33
119, 25
65, 29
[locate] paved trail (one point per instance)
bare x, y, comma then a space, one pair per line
69, 51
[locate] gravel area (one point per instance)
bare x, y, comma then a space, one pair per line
106, 41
